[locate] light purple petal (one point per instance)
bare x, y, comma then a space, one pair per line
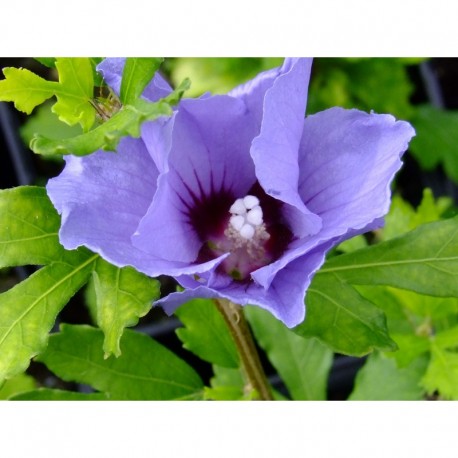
284, 299
347, 161
112, 68
275, 151
102, 198
208, 155
157, 136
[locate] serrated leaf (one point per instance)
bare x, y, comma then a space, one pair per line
206, 333
18, 384
145, 371
29, 226
126, 122
47, 394
341, 318
30, 308
75, 92
381, 380
25, 89
137, 73
442, 373
302, 363
437, 139
123, 296
424, 260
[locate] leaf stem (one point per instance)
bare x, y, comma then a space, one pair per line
238, 326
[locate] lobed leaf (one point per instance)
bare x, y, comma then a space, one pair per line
343, 319
302, 363
206, 333
442, 373
28, 227
424, 260
126, 122
123, 295
145, 371
381, 380
29, 309
437, 139
75, 92
25, 89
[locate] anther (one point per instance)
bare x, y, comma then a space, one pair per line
246, 216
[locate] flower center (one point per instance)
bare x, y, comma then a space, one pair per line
244, 237
251, 229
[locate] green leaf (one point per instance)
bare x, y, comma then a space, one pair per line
145, 371
442, 373
46, 394
29, 309
28, 227
206, 333
45, 122
18, 384
403, 218
75, 92
227, 384
380, 84
215, 74
341, 318
426, 306
25, 89
126, 122
137, 73
425, 260
437, 139
123, 296
381, 380
411, 346
302, 363
447, 338
49, 62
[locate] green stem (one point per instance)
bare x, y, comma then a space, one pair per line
235, 319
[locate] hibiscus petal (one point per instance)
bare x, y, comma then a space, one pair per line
112, 68
275, 150
102, 198
347, 161
284, 299
208, 156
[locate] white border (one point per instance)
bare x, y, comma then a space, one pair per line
234, 28
228, 429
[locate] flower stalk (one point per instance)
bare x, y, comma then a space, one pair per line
255, 377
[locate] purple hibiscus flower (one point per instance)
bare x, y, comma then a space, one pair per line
237, 196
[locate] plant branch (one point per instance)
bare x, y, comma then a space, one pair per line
238, 326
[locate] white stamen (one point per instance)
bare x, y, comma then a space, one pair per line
247, 231
246, 216
254, 216
237, 221
238, 207
250, 201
